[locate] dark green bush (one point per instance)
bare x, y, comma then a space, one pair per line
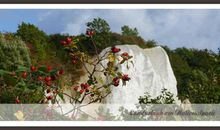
13, 53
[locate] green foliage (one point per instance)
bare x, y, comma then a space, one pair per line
150, 44
28, 89
59, 56
29, 33
35, 39
197, 73
127, 31
166, 97
99, 25
182, 72
147, 104
102, 32
13, 52
204, 88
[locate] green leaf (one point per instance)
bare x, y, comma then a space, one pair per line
119, 74
9, 80
101, 80
127, 66
122, 61
132, 63
78, 95
61, 96
124, 83
42, 69
2, 72
129, 57
22, 68
90, 82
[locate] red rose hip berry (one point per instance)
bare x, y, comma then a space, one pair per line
115, 49
90, 32
49, 68
125, 77
24, 74
48, 83
116, 81
81, 91
49, 97
47, 79
17, 101
61, 72
76, 88
33, 68
84, 86
63, 43
39, 78
68, 40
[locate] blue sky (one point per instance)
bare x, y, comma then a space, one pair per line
174, 28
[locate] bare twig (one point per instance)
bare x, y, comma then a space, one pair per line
86, 104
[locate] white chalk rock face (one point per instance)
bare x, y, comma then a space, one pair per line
151, 73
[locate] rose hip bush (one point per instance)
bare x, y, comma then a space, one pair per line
40, 84
95, 89
30, 85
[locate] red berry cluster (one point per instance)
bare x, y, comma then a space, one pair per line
125, 56
42, 78
47, 80
74, 59
116, 81
61, 72
51, 94
115, 49
66, 42
124, 78
84, 88
50, 97
90, 32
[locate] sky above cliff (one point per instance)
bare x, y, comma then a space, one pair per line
174, 28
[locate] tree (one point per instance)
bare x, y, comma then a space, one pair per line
204, 89
35, 39
197, 73
29, 33
102, 32
13, 52
182, 73
127, 31
150, 43
99, 25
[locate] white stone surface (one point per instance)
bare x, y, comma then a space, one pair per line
151, 73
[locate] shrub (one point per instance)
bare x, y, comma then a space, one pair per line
13, 52
36, 39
